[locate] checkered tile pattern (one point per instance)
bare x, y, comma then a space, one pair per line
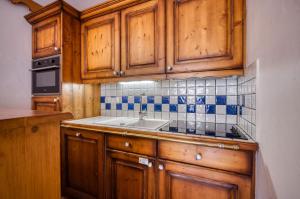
202, 100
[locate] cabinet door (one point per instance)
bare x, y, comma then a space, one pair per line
82, 164
101, 47
143, 43
46, 37
126, 178
182, 181
204, 35
46, 103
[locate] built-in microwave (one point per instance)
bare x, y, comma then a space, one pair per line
46, 76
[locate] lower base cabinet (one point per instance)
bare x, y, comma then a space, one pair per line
82, 164
127, 178
182, 181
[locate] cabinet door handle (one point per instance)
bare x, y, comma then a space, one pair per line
122, 73
198, 156
78, 134
150, 164
116, 73
127, 144
56, 48
170, 68
161, 167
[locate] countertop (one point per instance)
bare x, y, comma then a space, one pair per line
227, 143
13, 118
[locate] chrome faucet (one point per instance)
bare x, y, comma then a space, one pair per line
142, 112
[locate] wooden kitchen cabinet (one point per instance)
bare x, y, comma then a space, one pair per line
46, 39
82, 164
100, 43
126, 178
204, 35
183, 181
46, 103
143, 39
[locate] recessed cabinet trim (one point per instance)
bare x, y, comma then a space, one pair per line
204, 35
142, 37
101, 47
46, 37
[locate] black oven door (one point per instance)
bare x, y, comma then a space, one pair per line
46, 81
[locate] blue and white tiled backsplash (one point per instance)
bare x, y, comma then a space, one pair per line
202, 100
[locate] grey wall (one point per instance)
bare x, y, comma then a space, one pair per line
15, 56
273, 37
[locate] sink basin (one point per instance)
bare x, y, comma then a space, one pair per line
148, 124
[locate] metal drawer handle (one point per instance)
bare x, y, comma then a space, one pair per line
78, 134
127, 144
198, 156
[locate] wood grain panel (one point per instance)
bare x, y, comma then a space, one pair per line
100, 46
143, 39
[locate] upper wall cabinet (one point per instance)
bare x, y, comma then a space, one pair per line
46, 38
100, 47
204, 35
143, 43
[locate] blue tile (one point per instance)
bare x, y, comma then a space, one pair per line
231, 110
137, 99
124, 99
165, 99
210, 109
131, 107
119, 106
150, 99
221, 100
182, 99
102, 99
200, 99
108, 106
173, 108
191, 108
144, 107
157, 107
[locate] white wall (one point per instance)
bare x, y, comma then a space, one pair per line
15, 56
273, 37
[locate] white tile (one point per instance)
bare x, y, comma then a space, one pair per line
165, 116
210, 82
150, 115
124, 106
113, 113
220, 118
119, 92
157, 91
210, 91
165, 91
210, 99
200, 82
130, 99
150, 107
232, 81
200, 117
191, 83
191, 100
231, 90
231, 119
232, 100
107, 113
173, 100
119, 113
102, 106
200, 90
124, 92
200, 109
221, 109
181, 83
173, 116
173, 91
157, 99
182, 116
173, 83
182, 91
136, 114
191, 117
124, 113
221, 90
210, 118
191, 91
165, 107
221, 82
137, 107
130, 114
165, 83
113, 106
181, 108
157, 115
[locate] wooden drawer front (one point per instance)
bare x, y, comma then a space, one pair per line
230, 160
132, 144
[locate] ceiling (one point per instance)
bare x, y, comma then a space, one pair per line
78, 4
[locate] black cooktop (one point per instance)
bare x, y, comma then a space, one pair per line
202, 128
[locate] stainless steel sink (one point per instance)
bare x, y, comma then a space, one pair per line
149, 124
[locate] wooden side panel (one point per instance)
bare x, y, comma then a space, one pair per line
46, 103
181, 181
82, 156
100, 47
128, 179
143, 39
204, 35
46, 37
